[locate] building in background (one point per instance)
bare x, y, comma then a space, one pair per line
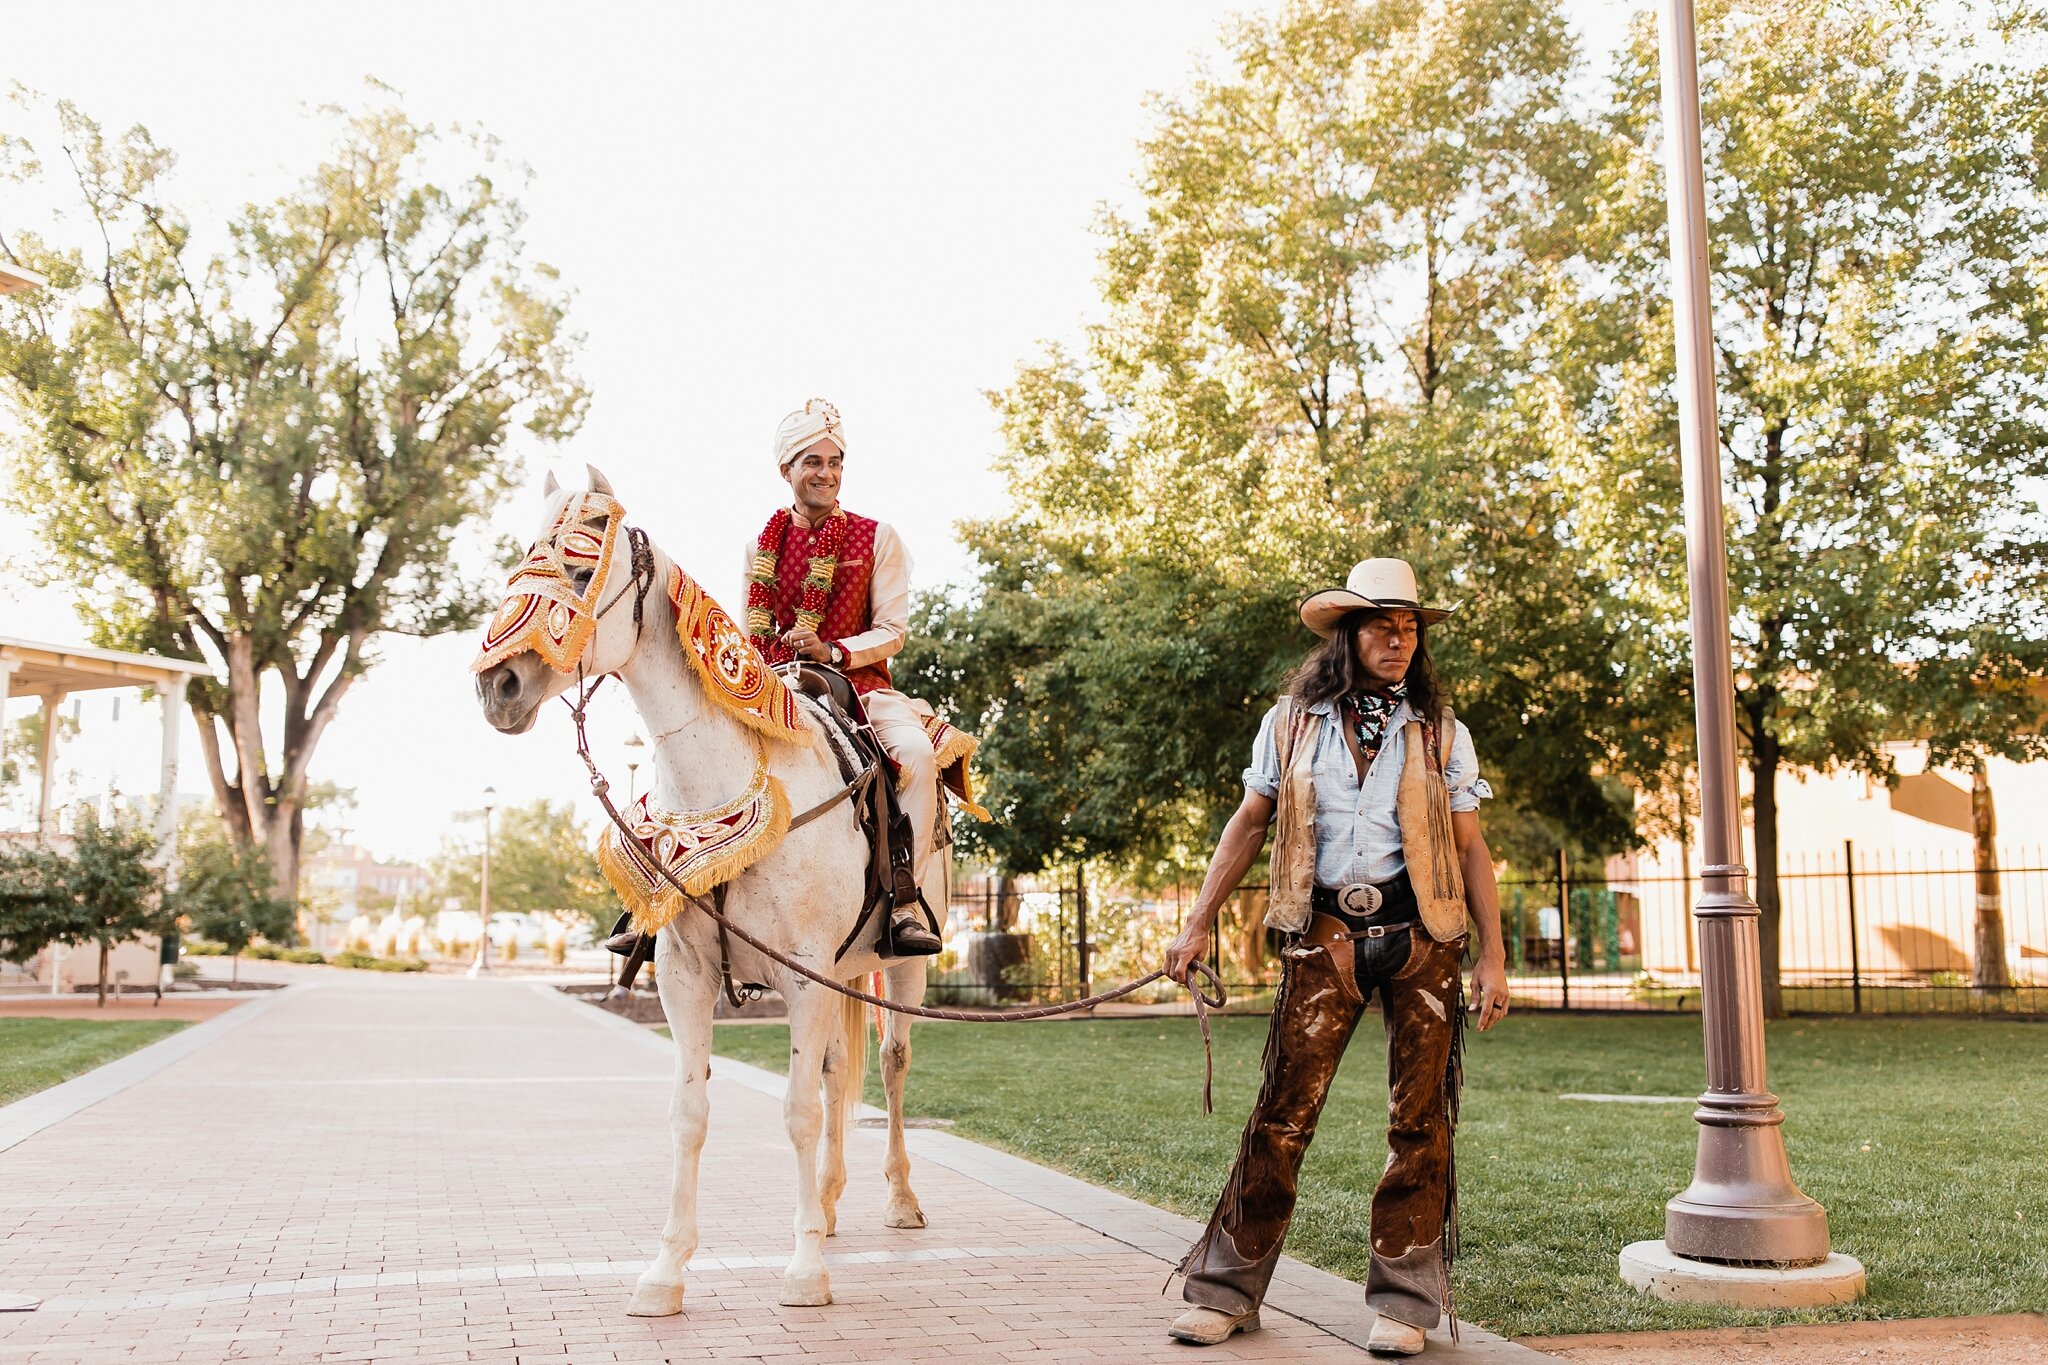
345, 880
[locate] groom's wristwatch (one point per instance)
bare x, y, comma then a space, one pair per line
834, 655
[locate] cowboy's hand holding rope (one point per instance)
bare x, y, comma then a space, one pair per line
1490, 990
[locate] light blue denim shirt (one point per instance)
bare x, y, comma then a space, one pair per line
1357, 836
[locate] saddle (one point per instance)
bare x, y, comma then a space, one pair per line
891, 874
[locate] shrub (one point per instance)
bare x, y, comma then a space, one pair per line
364, 961
302, 955
199, 947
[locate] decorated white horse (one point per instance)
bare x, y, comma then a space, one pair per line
734, 753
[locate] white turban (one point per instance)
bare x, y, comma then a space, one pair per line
816, 420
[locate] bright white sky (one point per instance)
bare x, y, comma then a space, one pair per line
883, 204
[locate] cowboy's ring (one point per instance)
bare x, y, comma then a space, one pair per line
1360, 898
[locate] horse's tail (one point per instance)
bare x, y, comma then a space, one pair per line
853, 1037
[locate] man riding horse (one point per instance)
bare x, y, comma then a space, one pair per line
832, 587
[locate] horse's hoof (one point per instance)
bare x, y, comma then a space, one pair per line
655, 1301
805, 1291
831, 1224
905, 1214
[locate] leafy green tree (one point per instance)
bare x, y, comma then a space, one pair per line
541, 863
264, 456
226, 892
105, 892
35, 912
1878, 222
1311, 353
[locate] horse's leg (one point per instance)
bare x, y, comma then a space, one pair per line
906, 982
687, 976
814, 1017
846, 1057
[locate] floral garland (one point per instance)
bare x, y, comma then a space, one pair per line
762, 582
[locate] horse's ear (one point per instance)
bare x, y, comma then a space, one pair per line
598, 482
552, 486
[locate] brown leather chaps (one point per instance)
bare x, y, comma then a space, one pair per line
1313, 1017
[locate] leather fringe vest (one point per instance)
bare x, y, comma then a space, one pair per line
1422, 808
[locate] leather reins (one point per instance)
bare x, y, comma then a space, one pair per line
600, 787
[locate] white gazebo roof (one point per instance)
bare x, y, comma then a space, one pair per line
44, 668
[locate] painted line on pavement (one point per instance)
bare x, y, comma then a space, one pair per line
427, 1080
529, 1270
26, 1117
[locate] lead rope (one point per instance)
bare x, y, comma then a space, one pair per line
600, 787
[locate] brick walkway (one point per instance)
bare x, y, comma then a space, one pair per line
434, 1170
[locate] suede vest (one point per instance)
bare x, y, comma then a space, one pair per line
848, 609
1422, 809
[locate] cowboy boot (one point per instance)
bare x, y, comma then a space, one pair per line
1202, 1326
1392, 1337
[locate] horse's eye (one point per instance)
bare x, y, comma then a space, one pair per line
597, 523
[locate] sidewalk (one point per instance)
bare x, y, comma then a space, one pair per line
438, 1170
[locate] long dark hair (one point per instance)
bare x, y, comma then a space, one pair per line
1331, 669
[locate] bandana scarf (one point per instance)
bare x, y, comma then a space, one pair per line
729, 665
701, 849
1368, 713
817, 585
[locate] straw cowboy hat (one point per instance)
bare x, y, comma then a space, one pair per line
1374, 584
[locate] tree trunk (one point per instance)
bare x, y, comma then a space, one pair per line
1989, 970
104, 950
1251, 933
1006, 904
235, 967
1763, 771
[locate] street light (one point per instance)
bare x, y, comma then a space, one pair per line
1742, 1233
482, 965
634, 744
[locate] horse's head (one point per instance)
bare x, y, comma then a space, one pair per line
570, 607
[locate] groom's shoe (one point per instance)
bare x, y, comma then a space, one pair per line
909, 937
623, 944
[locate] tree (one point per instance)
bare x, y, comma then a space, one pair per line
105, 891
541, 863
263, 456
1878, 225
35, 912
1312, 352
227, 893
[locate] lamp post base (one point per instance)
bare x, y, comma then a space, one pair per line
1662, 1273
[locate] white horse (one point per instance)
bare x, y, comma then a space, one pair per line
801, 898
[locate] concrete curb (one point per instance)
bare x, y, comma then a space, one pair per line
31, 1115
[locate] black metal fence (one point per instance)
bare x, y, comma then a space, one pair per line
1861, 932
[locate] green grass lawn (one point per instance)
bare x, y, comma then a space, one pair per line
1922, 1137
38, 1053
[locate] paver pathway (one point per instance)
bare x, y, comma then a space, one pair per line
438, 1170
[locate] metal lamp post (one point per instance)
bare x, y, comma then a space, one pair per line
482, 965
1735, 1233
634, 746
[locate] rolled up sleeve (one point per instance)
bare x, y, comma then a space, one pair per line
1461, 773
1263, 776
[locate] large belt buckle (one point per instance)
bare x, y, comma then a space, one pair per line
1360, 898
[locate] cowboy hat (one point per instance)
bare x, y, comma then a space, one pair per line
1374, 585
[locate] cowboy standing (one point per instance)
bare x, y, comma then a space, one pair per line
1377, 862
826, 585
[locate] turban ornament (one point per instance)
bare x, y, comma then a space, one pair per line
816, 420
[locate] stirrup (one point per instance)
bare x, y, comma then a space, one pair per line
905, 937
